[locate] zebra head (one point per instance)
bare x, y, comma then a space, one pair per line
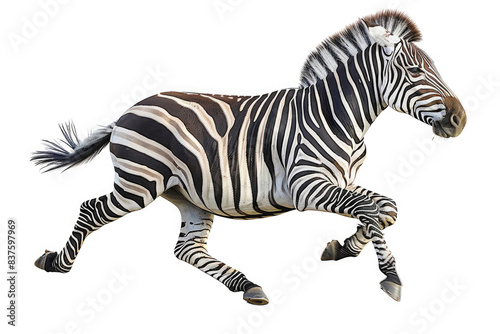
412, 84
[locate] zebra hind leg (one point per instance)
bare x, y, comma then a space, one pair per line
94, 214
192, 248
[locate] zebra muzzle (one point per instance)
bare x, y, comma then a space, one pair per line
454, 120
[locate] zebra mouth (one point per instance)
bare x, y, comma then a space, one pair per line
438, 130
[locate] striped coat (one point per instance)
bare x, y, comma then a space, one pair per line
256, 156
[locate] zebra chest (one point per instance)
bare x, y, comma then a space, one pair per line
339, 165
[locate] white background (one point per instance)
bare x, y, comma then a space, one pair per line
89, 57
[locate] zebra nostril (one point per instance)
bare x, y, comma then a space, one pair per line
455, 120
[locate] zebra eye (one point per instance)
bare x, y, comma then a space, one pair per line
415, 70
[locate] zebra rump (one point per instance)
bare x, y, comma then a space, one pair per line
57, 155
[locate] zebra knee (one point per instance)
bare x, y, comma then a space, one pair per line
371, 226
191, 246
94, 214
388, 213
190, 251
179, 250
88, 216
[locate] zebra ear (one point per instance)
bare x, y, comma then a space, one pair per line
381, 36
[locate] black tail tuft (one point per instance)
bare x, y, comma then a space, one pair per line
57, 155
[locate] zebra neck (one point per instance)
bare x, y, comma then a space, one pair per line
349, 99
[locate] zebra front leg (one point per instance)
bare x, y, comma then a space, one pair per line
387, 264
192, 248
351, 248
365, 209
387, 216
388, 213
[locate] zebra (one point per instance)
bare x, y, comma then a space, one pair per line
245, 157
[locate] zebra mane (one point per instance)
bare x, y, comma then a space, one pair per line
339, 47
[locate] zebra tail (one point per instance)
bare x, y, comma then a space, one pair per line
71, 151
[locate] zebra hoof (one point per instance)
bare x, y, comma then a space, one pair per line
332, 251
255, 296
392, 289
44, 262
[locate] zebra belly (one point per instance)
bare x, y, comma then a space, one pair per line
242, 197
241, 210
